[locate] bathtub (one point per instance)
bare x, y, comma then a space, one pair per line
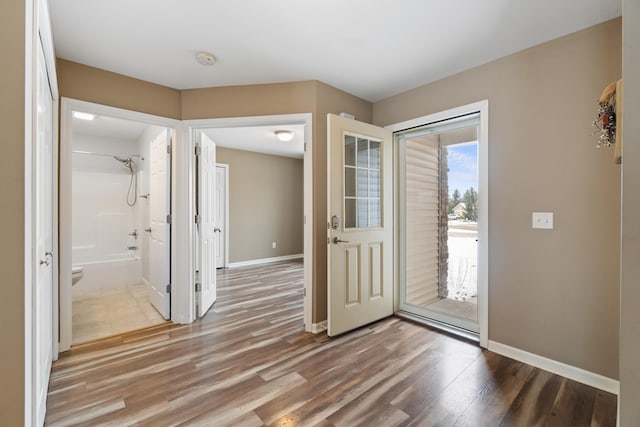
109, 273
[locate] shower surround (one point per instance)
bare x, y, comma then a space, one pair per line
107, 233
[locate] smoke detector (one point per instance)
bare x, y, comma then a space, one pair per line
205, 58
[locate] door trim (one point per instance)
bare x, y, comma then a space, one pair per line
68, 105
185, 190
483, 203
226, 213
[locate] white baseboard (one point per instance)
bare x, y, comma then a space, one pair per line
264, 260
316, 328
146, 282
577, 374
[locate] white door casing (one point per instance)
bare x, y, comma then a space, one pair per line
43, 293
159, 209
205, 228
360, 255
221, 216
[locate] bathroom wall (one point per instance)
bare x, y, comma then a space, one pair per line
101, 218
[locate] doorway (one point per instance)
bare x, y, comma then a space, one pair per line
242, 141
442, 220
222, 215
115, 235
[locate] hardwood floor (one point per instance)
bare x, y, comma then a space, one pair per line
249, 363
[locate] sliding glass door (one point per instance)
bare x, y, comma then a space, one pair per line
438, 217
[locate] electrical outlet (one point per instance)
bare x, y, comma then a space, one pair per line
542, 220
273, 245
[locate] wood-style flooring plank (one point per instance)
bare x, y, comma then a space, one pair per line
249, 363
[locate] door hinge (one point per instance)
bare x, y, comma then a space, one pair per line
197, 150
328, 240
304, 292
198, 287
169, 219
169, 288
305, 147
197, 219
169, 149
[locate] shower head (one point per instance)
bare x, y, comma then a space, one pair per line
125, 161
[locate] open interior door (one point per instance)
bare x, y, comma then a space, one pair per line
159, 209
42, 350
205, 224
360, 237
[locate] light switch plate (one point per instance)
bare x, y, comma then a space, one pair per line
542, 220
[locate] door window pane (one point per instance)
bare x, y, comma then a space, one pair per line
349, 150
362, 183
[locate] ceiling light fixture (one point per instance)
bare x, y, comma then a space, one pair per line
205, 58
83, 116
284, 135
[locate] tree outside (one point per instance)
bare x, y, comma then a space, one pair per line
454, 200
470, 200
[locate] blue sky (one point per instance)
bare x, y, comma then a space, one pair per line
463, 167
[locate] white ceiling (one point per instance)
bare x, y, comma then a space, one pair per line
109, 127
260, 139
370, 48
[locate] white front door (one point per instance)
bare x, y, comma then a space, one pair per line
206, 213
360, 237
220, 220
43, 292
159, 209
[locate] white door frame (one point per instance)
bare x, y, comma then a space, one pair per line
226, 213
68, 106
483, 201
184, 202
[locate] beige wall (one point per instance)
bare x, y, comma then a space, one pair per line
630, 290
12, 122
90, 84
266, 201
250, 100
552, 293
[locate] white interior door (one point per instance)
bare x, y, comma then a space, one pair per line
220, 219
159, 209
360, 236
206, 211
43, 293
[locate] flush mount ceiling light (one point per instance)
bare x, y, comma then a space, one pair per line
205, 58
284, 135
83, 116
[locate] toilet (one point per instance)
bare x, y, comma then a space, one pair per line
77, 272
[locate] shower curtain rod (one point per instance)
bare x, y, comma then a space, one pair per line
104, 154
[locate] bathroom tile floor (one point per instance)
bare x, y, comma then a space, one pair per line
103, 312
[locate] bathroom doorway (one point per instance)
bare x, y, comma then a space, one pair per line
115, 203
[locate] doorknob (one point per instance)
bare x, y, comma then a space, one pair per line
217, 230
336, 240
45, 261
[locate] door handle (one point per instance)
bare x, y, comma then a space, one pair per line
45, 261
336, 240
217, 230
